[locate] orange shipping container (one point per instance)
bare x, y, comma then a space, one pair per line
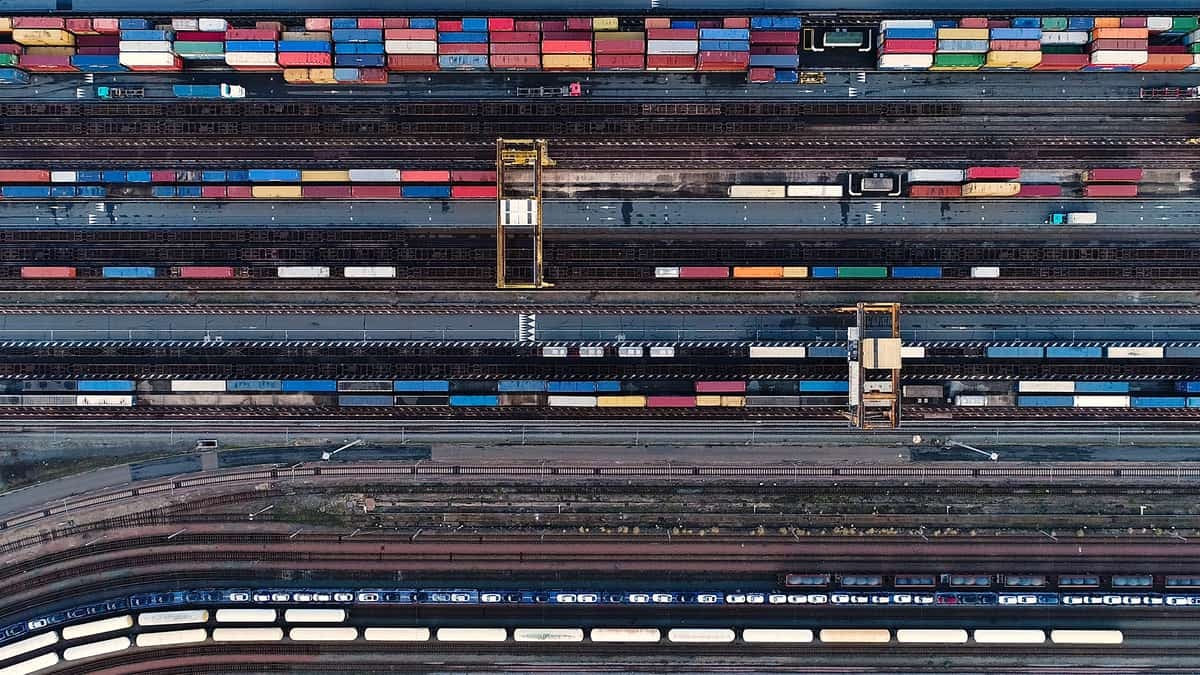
758, 272
1167, 62
296, 76
1107, 22
1121, 34
658, 22
425, 176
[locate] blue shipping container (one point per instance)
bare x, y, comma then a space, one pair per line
99, 63
345, 74
916, 273
471, 400
62, 191
1193, 402
106, 385
149, 35
786, 77
212, 176
1074, 352
361, 400
827, 352
724, 46
112, 176
1014, 34
303, 46
945, 23
358, 35
309, 385
463, 62
571, 387
475, 23
93, 191
274, 175
1080, 23
724, 34
357, 61
189, 191
133, 24
127, 272
911, 34
13, 76
344, 23
250, 46
358, 48
163, 191
463, 38
1045, 401
1016, 352
87, 177
237, 176
421, 385
521, 385
253, 385
1188, 387
824, 272
683, 24
775, 23
425, 191
137, 177
424, 23
1101, 387
608, 387
775, 61
1158, 402
1027, 22
824, 386
25, 192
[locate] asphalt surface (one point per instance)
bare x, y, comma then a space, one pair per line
605, 329
663, 213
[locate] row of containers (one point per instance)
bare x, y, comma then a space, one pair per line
976, 181
768, 48
249, 184
1066, 394
1059, 43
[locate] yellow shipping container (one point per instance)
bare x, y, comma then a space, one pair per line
604, 23
963, 34
620, 401
276, 192
620, 35
47, 37
1107, 22
758, 272
708, 400
296, 76
321, 75
567, 61
990, 189
1021, 60
795, 272
733, 401
324, 176
50, 51
5, 24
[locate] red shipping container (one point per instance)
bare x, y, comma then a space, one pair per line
239, 192
1041, 190
1014, 45
97, 51
1133, 22
325, 191
38, 22
162, 176
10, 49
1168, 49
410, 34
737, 22
197, 272
774, 37
703, 272
37, 272
251, 34
373, 75
778, 50
473, 176
725, 61
994, 173
1111, 190
909, 47
449, 26
213, 191
473, 192
523, 49
112, 26
566, 47
375, 191
516, 61
199, 36
935, 191
1062, 62
98, 41
515, 36
620, 47
533, 26
709, 23
373, 23
1113, 175
658, 22
80, 26
497, 24
551, 26
579, 23
1119, 45
999, 23
275, 26
670, 401
673, 34
412, 62
670, 62
620, 62
320, 24
566, 35
720, 387
295, 59
973, 22
1166, 62
456, 48
762, 74
45, 63
416, 176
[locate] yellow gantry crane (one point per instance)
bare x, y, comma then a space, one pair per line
873, 409
512, 153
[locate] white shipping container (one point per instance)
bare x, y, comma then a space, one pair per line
571, 401
971, 400
666, 272
36, 664
1157, 24
148, 59
985, 272
1135, 352
97, 627
374, 176
197, 385
172, 637
410, 46
185, 24
213, 25
87, 651
383, 272
330, 634
247, 634
48, 400
1101, 401
937, 176
303, 272
1065, 37
757, 191
672, 46
1195, 62
145, 46
1045, 387
778, 352
906, 61
62, 176
518, 211
250, 58
905, 23
814, 190
119, 401
1116, 57
912, 353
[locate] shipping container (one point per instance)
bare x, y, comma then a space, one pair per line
199, 272
385, 272
1016, 352
127, 272
1134, 352
757, 191
1039, 191
1113, 175
935, 191
703, 272
47, 272
905, 61
1126, 190
993, 173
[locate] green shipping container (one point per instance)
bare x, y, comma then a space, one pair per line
959, 60
843, 38
1064, 49
1054, 23
1194, 48
184, 47
1183, 24
862, 272
8, 59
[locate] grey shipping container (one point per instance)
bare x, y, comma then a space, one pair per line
963, 46
924, 391
365, 385
772, 401
374, 176
39, 386
886, 184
